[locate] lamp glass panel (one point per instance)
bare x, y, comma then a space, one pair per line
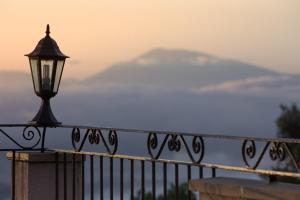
35, 74
46, 72
59, 69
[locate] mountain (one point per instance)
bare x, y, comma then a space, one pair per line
177, 69
186, 90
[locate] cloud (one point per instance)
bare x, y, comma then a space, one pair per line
205, 60
255, 85
74, 62
201, 60
145, 61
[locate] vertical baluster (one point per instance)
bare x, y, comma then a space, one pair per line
13, 175
143, 179
165, 180
82, 176
176, 182
153, 181
121, 179
200, 172
132, 179
213, 172
65, 177
56, 175
73, 175
111, 163
92, 176
188, 180
101, 178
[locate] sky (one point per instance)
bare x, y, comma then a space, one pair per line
97, 34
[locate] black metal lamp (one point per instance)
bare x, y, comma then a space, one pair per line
46, 63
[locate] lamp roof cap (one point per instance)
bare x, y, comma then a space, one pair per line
47, 48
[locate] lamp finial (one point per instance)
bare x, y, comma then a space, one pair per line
48, 30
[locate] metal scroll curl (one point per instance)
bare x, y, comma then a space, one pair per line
277, 151
30, 134
112, 144
94, 137
77, 139
249, 153
288, 151
175, 143
152, 145
197, 148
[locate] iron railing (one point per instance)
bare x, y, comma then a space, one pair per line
155, 158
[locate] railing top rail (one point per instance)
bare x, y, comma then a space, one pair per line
163, 132
215, 136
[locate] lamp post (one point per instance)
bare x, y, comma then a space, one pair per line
46, 64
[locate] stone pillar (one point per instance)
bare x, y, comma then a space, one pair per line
35, 175
242, 189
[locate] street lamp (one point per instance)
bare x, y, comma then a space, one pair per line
46, 64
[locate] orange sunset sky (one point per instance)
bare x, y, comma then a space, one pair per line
98, 33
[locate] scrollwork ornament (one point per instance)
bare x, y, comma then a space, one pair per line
29, 134
277, 151
152, 143
152, 140
248, 150
112, 144
196, 151
112, 137
251, 149
154, 149
76, 135
174, 144
273, 153
281, 152
76, 138
198, 144
94, 137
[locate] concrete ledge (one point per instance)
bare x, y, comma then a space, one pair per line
42, 157
234, 188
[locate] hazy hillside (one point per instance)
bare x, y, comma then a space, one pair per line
177, 69
183, 90
163, 89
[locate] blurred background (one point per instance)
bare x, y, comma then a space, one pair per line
206, 66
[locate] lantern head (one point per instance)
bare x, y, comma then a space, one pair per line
46, 64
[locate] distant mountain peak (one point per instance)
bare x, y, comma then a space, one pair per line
177, 68
174, 56
162, 52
